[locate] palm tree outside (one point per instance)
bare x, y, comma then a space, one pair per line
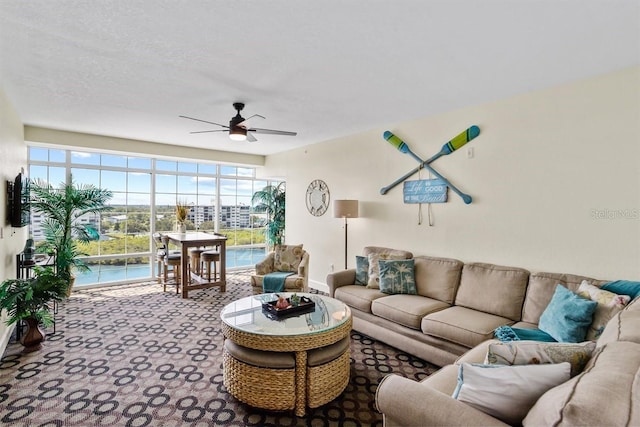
271, 200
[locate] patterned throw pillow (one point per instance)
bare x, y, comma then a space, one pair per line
287, 257
362, 270
374, 268
537, 353
608, 305
397, 276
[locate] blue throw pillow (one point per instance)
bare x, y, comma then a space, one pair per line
397, 276
623, 287
362, 270
568, 316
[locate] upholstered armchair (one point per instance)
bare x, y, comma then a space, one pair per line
284, 258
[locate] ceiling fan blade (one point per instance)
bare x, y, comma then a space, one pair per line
206, 131
273, 132
204, 121
250, 137
245, 122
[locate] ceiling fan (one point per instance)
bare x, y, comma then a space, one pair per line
239, 128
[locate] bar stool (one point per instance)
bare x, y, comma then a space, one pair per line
194, 256
208, 257
171, 260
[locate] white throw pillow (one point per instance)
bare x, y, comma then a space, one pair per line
507, 392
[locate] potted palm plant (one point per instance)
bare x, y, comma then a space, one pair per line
62, 209
271, 200
30, 300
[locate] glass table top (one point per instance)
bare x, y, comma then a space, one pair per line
247, 315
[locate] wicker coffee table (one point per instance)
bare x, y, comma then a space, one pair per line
267, 386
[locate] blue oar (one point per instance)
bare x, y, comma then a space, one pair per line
446, 149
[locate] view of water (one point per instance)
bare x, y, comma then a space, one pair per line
236, 257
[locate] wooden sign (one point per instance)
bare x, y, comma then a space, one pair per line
425, 191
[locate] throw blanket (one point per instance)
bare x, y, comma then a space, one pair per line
274, 282
507, 333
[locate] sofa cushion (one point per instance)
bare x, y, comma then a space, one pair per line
534, 352
407, 310
438, 278
507, 392
624, 326
541, 288
493, 289
608, 305
568, 316
358, 297
397, 276
606, 393
462, 325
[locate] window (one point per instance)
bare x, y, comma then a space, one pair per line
145, 191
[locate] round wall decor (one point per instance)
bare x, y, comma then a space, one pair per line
317, 197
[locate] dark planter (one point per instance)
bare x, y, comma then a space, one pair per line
32, 339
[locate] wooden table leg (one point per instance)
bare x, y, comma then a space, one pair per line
184, 265
301, 383
223, 266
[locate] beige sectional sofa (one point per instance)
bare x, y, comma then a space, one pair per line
457, 308
606, 393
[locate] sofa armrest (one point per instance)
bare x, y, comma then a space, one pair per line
266, 265
405, 402
340, 278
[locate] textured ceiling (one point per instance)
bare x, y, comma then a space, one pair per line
325, 69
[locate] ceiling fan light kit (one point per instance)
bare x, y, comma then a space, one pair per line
239, 129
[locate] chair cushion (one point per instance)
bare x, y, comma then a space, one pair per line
407, 310
291, 283
322, 355
263, 359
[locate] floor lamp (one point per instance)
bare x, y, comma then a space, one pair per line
345, 209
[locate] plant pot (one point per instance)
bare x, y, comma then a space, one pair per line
32, 339
182, 228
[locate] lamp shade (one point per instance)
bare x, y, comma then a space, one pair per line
345, 209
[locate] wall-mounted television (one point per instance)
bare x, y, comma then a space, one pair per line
19, 208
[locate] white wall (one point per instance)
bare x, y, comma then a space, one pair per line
13, 157
551, 171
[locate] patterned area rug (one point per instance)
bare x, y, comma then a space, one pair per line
137, 356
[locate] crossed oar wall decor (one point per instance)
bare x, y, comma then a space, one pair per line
448, 148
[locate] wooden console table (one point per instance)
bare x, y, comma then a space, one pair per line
197, 239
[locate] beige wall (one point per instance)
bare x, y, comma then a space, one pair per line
13, 156
551, 169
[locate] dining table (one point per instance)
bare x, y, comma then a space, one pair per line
190, 281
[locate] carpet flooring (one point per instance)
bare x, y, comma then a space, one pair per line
134, 355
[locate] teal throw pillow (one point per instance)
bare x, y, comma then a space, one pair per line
362, 270
568, 316
397, 276
623, 287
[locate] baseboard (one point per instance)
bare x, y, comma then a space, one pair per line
320, 286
